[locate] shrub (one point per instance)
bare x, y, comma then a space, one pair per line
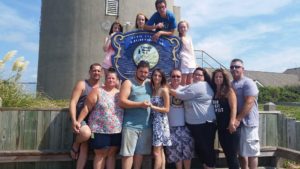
279, 94
14, 95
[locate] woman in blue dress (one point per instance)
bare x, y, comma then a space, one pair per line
160, 107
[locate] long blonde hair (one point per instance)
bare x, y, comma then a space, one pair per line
136, 18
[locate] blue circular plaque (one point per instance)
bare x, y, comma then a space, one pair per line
132, 47
146, 52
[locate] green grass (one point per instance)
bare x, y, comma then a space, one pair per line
291, 164
13, 95
290, 111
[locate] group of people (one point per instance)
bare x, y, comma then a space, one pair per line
172, 120
154, 115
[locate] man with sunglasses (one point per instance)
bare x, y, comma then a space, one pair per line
247, 115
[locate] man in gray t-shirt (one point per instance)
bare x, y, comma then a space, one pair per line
247, 115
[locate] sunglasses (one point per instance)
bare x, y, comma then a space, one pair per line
197, 74
235, 67
174, 76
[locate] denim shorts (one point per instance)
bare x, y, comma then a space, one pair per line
136, 141
102, 141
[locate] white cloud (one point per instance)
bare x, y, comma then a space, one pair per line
30, 46
224, 46
293, 20
12, 36
17, 30
21, 39
276, 61
224, 42
263, 43
203, 12
10, 19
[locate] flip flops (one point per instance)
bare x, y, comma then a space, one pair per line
74, 153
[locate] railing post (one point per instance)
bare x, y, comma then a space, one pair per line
202, 58
279, 162
269, 106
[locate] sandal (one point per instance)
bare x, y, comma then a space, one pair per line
74, 152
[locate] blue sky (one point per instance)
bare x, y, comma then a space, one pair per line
19, 30
264, 33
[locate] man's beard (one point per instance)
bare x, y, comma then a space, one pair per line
140, 79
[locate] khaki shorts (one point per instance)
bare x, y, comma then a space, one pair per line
136, 141
249, 142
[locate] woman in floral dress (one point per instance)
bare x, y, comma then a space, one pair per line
160, 107
105, 121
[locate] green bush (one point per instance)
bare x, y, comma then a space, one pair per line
279, 94
290, 111
12, 93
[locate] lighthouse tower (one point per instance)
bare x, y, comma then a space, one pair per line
72, 34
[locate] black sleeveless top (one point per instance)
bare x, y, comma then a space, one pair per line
81, 100
222, 110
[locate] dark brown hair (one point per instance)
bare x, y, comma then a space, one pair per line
205, 73
95, 64
111, 70
225, 86
163, 77
160, 1
143, 63
115, 23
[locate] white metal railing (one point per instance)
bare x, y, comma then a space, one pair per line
205, 60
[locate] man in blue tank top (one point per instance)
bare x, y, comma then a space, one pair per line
79, 150
135, 97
